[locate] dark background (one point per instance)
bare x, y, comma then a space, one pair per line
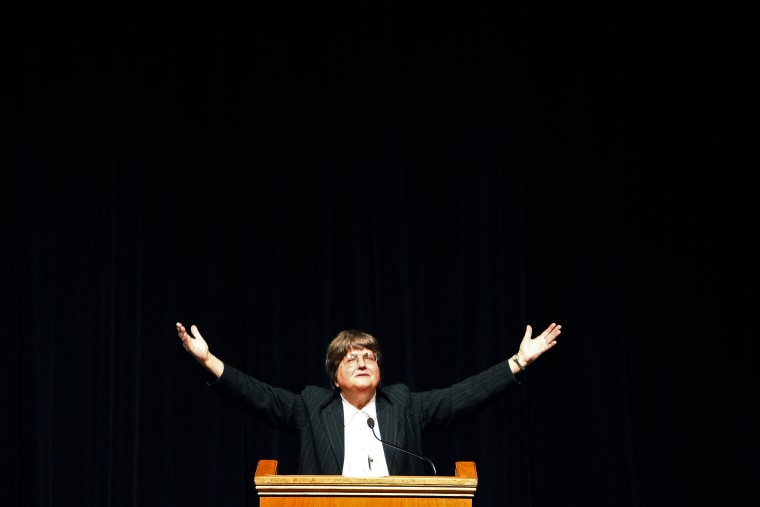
439, 178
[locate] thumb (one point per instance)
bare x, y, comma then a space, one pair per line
196, 333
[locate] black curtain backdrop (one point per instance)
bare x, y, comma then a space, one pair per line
439, 178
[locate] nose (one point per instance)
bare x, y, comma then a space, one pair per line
362, 362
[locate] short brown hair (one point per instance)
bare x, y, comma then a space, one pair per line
341, 344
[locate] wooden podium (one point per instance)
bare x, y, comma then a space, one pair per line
339, 491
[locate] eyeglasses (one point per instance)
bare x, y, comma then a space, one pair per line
351, 360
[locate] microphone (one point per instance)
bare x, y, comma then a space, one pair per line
371, 424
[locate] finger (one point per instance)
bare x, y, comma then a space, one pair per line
551, 333
196, 333
528, 332
544, 334
182, 332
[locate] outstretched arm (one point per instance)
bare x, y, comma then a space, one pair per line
532, 348
198, 348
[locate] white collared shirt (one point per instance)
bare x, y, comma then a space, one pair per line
364, 455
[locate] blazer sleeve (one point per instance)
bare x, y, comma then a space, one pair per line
440, 408
273, 405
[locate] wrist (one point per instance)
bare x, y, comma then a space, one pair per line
214, 365
519, 362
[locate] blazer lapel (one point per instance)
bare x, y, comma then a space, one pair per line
388, 427
332, 418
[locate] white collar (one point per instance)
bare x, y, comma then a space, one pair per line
350, 411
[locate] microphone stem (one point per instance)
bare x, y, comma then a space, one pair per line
371, 424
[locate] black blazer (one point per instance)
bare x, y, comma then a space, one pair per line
316, 414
